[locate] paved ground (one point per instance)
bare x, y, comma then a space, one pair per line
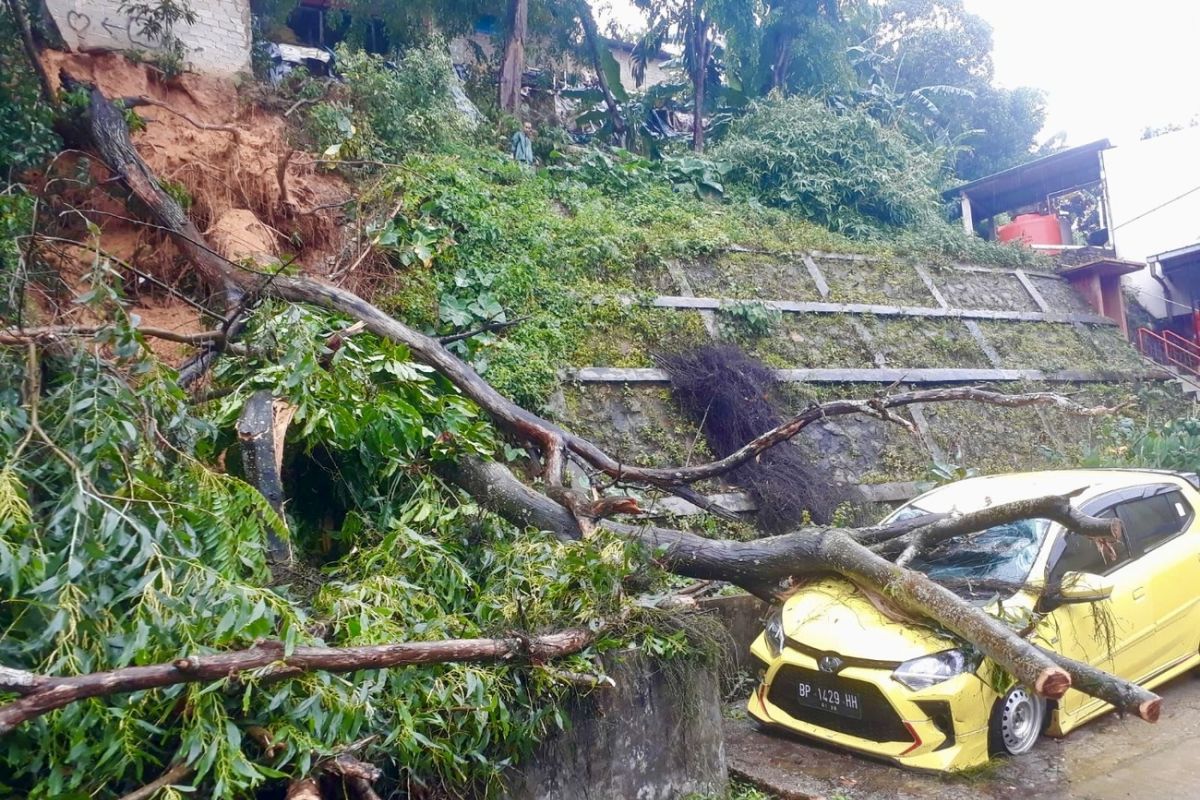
1108, 759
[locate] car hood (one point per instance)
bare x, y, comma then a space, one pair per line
835, 616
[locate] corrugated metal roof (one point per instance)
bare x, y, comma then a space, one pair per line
1030, 183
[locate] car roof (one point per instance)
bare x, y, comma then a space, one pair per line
990, 490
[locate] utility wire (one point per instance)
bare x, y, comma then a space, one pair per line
1158, 207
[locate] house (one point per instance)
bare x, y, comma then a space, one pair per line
1059, 204
1119, 220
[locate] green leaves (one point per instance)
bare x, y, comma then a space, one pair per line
843, 170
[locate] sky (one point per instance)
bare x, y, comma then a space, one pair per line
1110, 68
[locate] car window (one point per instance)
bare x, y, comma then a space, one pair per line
1150, 521
1080, 554
1002, 553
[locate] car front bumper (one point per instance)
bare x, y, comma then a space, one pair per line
942, 728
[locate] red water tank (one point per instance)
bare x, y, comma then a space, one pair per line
1031, 229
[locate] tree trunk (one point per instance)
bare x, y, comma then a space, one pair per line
17, 9
513, 67
592, 37
701, 49
262, 448
780, 65
757, 565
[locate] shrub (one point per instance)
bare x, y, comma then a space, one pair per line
390, 110
843, 170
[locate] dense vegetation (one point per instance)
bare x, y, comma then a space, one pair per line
127, 537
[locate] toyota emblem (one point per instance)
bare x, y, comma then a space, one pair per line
830, 664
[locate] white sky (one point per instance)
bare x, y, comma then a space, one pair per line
1109, 67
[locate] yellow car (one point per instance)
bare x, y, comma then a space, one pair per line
837, 669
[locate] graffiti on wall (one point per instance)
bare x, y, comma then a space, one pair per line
218, 42
127, 29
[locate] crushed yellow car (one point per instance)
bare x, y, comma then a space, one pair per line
838, 666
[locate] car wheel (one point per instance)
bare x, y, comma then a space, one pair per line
1018, 719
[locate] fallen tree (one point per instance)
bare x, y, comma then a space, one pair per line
872, 557
744, 563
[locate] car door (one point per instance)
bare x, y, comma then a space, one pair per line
1161, 529
1109, 634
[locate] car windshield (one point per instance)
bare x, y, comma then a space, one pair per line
1002, 554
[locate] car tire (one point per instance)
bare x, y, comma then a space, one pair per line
1018, 719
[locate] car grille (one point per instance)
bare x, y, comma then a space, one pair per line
879, 723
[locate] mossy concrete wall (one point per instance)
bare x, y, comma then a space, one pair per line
741, 616
641, 424
655, 735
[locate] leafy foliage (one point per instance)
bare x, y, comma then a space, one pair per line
157, 22
387, 110
750, 318
120, 544
844, 170
26, 136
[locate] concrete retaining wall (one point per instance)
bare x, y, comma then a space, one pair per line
656, 735
742, 615
218, 43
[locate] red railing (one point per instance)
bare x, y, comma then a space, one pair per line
1187, 345
1171, 349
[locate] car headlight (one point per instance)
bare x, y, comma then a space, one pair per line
774, 632
921, 673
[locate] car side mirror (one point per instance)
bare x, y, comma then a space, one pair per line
1085, 587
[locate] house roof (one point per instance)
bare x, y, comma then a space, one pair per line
1178, 258
1030, 183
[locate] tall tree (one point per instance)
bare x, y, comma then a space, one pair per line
941, 54
592, 42
513, 66
691, 24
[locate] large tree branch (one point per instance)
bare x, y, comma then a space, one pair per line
759, 564
43, 694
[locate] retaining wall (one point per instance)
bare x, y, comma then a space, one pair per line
656, 735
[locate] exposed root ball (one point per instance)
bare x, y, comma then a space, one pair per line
726, 390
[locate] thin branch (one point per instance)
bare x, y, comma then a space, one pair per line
40, 334
269, 661
175, 774
140, 273
487, 327
142, 100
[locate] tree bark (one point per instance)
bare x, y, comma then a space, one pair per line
17, 9
701, 51
759, 564
592, 37
256, 430
48, 693
513, 67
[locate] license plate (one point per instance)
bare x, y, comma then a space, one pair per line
836, 701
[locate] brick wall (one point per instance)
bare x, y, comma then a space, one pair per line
218, 43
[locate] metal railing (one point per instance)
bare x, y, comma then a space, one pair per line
1170, 349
